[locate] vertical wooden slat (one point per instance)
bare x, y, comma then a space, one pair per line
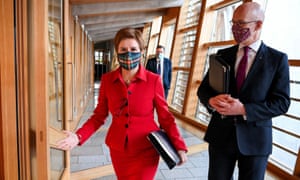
190, 102
68, 81
8, 133
38, 87
297, 166
22, 90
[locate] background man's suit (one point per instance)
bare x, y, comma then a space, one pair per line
265, 94
167, 72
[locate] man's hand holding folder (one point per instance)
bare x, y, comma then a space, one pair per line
219, 74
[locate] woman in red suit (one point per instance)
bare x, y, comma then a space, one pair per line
130, 94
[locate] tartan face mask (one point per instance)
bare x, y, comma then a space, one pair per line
129, 60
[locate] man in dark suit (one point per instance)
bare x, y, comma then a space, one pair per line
240, 129
163, 66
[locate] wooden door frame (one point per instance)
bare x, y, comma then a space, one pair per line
38, 88
22, 88
8, 118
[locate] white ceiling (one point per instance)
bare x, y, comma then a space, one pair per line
101, 19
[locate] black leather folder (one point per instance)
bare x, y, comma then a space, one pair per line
164, 147
219, 74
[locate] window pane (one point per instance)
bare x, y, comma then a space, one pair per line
288, 124
287, 36
56, 81
287, 141
180, 87
193, 13
222, 26
294, 108
284, 160
202, 114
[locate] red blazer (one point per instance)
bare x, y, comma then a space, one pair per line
132, 110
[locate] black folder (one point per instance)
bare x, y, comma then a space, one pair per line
219, 74
164, 147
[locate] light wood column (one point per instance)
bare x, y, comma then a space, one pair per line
8, 133
38, 88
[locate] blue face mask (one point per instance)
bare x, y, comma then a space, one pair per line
129, 60
160, 56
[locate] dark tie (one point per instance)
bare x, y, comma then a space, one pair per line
158, 68
241, 71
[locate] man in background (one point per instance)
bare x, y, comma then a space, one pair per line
162, 66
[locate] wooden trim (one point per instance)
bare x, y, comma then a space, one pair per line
77, 2
187, 29
8, 118
22, 90
223, 4
38, 87
297, 166
190, 104
68, 64
67, 87
219, 43
179, 68
294, 62
2, 165
275, 171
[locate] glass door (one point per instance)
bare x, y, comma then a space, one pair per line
56, 84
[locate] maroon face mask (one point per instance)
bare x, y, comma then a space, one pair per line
240, 34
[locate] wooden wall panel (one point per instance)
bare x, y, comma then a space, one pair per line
8, 133
191, 98
22, 90
297, 166
38, 87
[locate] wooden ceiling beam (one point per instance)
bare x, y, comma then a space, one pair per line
128, 6
111, 34
78, 2
116, 23
119, 17
101, 32
102, 18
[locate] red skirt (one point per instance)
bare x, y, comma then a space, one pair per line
135, 166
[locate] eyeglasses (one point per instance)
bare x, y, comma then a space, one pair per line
242, 23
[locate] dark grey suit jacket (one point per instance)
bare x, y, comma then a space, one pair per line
265, 94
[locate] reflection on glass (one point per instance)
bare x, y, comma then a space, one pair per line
201, 114
55, 52
167, 39
186, 52
180, 88
55, 70
222, 26
57, 163
193, 13
211, 50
